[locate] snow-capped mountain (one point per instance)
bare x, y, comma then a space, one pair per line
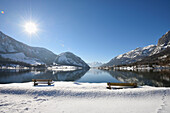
95, 64
69, 58
131, 56
17, 51
140, 53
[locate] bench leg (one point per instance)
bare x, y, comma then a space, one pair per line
135, 86
35, 84
109, 88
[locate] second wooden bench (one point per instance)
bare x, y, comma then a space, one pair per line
121, 85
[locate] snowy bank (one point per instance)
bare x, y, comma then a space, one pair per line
63, 68
82, 98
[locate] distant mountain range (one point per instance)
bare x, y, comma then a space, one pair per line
95, 64
159, 53
15, 52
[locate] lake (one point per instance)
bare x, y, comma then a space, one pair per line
151, 78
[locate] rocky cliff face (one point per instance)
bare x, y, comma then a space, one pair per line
164, 40
163, 43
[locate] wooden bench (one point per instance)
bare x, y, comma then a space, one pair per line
121, 85
42, 81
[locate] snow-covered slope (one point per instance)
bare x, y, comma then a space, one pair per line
161, 58
20, 57
95, 64
69, 58
131, 56
12, 49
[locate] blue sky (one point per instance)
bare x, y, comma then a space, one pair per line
95, 30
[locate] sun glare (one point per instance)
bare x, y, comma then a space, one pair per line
30, 27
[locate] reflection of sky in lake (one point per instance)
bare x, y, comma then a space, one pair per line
153, 78
97, 76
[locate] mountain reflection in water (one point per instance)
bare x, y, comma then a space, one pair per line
151, 78
19, 76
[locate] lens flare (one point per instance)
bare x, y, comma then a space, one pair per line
2, 12
30, 27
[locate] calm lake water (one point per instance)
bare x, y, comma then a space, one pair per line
153, 78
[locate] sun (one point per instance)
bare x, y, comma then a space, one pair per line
30, 27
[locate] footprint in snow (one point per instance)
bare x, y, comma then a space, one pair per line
4, 104
29, 101
164, 102
35, 97
41, 99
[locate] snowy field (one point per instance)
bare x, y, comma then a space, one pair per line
71, 97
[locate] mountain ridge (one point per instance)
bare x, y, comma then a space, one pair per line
9, 45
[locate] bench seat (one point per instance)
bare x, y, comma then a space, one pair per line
42, 81
121, 85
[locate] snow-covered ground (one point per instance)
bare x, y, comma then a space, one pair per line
72, 97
